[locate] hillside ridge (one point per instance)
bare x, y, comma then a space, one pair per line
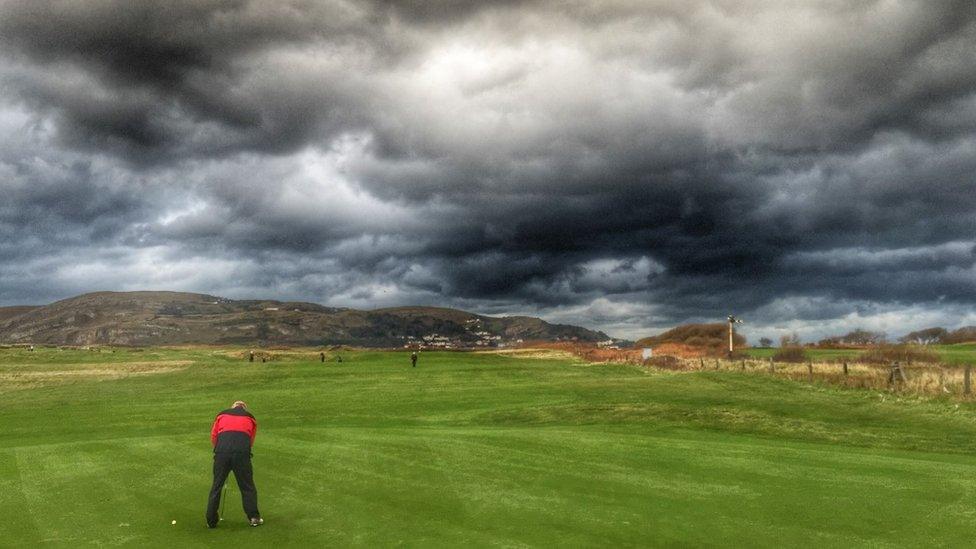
705, 336
173, 318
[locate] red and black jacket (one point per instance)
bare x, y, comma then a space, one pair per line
233, 431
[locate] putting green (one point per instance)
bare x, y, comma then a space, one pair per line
472, 449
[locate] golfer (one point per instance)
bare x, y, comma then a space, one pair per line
232, 437
413, 359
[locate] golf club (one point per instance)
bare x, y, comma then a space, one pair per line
223, 499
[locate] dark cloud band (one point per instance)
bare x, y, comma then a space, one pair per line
634, 164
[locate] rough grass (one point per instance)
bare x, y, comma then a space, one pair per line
481, 450
959, 354
904, 353
530, 353
929, 380
16, 377
790, 354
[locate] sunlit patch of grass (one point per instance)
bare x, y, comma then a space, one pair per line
27, 376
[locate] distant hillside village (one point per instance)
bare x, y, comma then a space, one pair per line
487, 340
475, 336
438, 341
471, 338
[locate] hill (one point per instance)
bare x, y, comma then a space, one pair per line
710, 336
170, 318
7, 313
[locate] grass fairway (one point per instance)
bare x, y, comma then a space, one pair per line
473, 450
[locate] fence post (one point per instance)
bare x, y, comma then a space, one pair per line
897, 373
967, 385
810, 371
845, 368
772, 368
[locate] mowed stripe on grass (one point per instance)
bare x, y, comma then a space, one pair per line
485, 450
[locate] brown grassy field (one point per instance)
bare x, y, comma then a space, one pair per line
920, 379
927, 378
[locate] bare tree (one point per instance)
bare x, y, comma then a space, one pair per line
791, 340
855, 337
927, 336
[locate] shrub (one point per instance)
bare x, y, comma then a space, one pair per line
856, 338
791, 353
901, 353
965, 334
703, 335
666, 362
790, 340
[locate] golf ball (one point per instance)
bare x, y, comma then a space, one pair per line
174, 522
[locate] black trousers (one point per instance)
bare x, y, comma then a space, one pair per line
240, 463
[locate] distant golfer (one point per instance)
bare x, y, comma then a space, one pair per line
232, 437
322, 356
413, 359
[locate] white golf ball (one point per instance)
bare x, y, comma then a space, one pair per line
174, 522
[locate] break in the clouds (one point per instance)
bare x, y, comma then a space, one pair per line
808, 165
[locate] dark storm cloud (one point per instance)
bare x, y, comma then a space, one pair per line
154, 82
621, 164
50, 204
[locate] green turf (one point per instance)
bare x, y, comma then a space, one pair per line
476, 450
962, 353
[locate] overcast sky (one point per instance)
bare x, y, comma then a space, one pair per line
621, 165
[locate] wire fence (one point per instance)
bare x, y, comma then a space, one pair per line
922, 379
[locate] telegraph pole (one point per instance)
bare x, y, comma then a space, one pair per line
732, 322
